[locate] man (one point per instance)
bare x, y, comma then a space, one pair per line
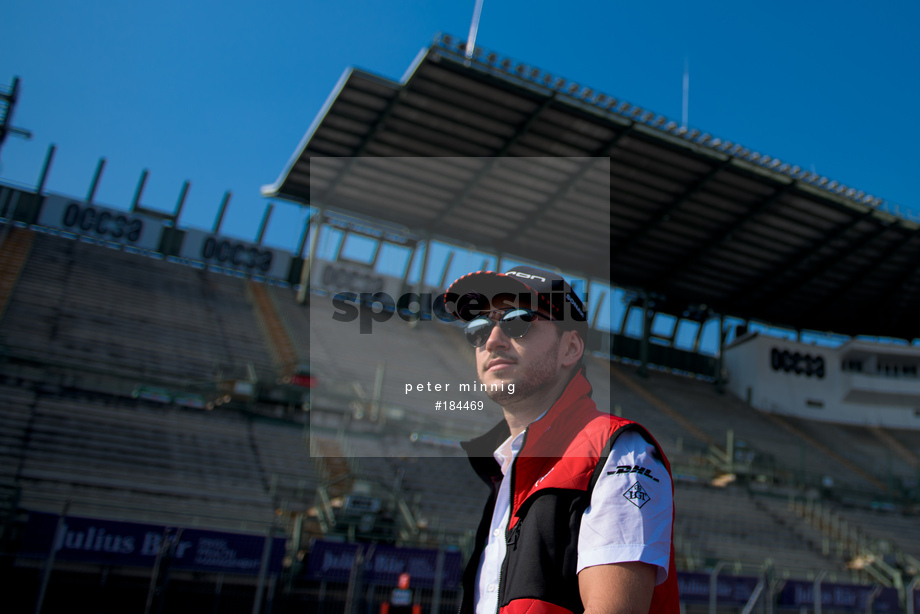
580, 514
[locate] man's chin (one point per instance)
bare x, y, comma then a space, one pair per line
490, 381
499, 396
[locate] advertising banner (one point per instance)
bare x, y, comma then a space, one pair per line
124, 227
109, 542
235, 254
336, 277
845, 597
731, 590
382, 564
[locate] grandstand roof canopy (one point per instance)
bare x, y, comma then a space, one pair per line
694, 219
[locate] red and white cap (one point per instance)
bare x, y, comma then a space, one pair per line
522, 286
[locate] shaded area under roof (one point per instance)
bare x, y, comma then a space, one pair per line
693, 219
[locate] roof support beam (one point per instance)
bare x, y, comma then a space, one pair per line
793, 261
857, 278
662, 214
724, 236
359, 151
911, 271
564, 189
827, 264
458, 201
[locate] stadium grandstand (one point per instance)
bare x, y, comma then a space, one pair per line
196, 423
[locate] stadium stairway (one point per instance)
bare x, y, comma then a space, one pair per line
276, 335
783, 447
728, 524
890, 442
659, 404
14, 252
334, 466
790, 425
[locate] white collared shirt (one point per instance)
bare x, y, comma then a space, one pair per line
629, 517
490, 565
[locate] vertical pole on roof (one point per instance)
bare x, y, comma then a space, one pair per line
592, 324
699, 334
95, 183
685, 107
180, 205
422, 275
425, 260
597, 310
647, 316
52, 553
303, 293
221, 211
474, 30
268, 213
303, 237
446, 270
720, 384
140, 189
46, 167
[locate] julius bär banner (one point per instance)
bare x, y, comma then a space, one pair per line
334, 562
109, 542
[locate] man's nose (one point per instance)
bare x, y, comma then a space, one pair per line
497, 339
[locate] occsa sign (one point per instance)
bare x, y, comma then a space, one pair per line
100, 222
796, 362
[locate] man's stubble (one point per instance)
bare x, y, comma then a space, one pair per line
536, 379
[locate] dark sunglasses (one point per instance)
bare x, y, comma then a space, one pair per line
513, 322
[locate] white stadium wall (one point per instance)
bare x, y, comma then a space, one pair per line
856, 383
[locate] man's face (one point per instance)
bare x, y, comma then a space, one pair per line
532, 363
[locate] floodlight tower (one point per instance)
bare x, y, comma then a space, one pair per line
7, 106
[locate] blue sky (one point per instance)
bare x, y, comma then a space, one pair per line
220, 93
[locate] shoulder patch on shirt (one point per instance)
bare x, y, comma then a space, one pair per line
630, 469
637, 495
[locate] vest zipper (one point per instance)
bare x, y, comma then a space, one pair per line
509, 533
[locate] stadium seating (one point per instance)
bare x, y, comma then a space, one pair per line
143, 464
430, 352
113, 312
94, 322
732, 525
781, 445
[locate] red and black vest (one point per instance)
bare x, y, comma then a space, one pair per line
553, 476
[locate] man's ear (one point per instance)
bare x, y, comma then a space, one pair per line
572, 346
